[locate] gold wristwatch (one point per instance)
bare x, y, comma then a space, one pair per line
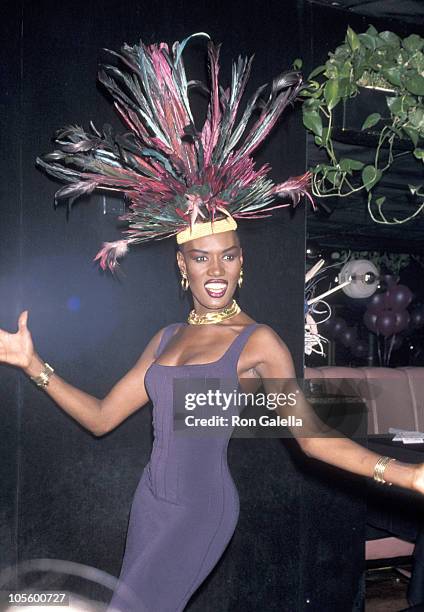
42, 380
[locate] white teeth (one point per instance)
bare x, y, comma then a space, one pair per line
218, 287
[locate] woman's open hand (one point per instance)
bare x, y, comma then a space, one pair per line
17, 349
418, 481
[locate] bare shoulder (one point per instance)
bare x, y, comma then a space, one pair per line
271, 354
152, 346
265, 333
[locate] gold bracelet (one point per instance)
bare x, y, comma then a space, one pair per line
379, 468
42, 380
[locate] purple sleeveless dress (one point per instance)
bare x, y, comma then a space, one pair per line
186, 506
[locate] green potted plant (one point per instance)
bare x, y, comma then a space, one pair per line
372, 71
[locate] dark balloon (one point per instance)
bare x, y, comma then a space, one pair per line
401, 321
360, 349
387, 281
409, 328
399, 297
348, 336
326, 328
339, 327
386, 321
370, 321
378, 302
417, 318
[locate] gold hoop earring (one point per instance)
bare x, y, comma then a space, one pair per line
184, 282
240, 280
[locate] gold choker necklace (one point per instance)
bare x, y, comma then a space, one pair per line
213, 317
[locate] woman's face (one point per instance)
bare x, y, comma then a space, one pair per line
212, 264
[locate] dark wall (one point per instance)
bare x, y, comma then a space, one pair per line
67, 494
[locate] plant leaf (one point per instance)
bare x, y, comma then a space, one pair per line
413, 43
412, 134
331, 93
311, 104
372, 31
355, 164
367, 40
415, 84
394, 103
352, 39
419, 153
392, 75
371, 120
390, 38
318, 70
345, 87
370, 176
346, 164
312, 121
333, 176
416, 116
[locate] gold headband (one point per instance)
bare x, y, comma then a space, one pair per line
206, 229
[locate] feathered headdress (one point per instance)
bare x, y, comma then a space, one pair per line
172, 174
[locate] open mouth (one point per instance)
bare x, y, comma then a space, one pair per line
216, 289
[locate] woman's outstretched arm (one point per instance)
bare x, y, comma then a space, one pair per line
275, 367
97, 415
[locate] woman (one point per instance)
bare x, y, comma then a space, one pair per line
185, 508
193, 185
